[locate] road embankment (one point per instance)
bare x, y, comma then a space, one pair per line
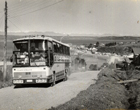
106, 93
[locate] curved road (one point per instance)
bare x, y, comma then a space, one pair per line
41, 98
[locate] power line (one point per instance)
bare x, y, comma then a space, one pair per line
38, 9
15, 25
31, 11
1, 20
2, 11
2, 16
16, 8
19, 4
2, 8
26, 8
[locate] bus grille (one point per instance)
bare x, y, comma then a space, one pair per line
23, 75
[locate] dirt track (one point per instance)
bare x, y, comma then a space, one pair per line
41, 98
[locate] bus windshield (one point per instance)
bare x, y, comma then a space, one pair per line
21, 46
29, 53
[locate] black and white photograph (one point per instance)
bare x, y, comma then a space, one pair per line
69, 54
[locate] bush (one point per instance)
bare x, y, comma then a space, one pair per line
8, 78
78, 64
93, 67
116, 49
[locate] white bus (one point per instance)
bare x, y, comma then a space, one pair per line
40, 59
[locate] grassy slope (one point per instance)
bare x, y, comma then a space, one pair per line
104, 95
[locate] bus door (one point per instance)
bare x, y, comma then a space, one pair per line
50, 53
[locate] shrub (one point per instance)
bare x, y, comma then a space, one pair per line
93, 67
8, 78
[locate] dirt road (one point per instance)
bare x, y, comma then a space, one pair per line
41, 98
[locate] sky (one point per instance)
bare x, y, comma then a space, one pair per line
96, 17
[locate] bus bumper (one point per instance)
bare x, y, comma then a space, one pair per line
32, 81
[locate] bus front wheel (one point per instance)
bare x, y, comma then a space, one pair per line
18, 85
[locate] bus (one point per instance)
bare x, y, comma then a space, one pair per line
40, 59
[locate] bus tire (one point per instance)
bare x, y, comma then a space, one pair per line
53, 80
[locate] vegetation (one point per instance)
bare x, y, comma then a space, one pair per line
8, 80
97, 44
105, 94
110, 44
117, 49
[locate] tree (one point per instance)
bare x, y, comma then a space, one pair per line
97, 44
90, 45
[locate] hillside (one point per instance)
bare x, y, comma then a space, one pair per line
75, 40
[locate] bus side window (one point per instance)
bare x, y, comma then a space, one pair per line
55, 47
68, 51
51, 57
58, 48
65, 50
50, 46
61, 48
50, 50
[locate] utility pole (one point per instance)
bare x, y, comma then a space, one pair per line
5, 45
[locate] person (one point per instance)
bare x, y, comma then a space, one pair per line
33, 47
24, 47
